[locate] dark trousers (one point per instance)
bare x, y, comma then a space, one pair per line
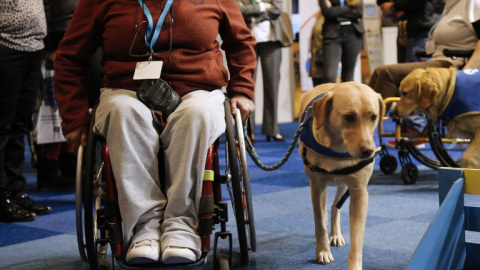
270, 55
20, 78
345, 49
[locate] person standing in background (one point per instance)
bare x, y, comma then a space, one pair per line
393, 19
316, 49
416, 18
55, 157
342, 37
22, 30
261, 17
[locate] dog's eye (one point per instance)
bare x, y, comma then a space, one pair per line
403, 93
349, 118
373, 117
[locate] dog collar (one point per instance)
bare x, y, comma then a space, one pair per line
343, 171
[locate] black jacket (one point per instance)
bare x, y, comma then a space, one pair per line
421, 15
336, 14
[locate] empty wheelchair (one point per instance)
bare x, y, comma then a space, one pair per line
98, 219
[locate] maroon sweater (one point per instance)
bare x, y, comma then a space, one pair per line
195, 61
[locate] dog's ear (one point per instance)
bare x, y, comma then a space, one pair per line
322, 108
428, 89
381, 113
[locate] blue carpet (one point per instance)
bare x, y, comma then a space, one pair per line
398, 215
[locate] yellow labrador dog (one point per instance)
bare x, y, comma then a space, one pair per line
448, 94
337, 146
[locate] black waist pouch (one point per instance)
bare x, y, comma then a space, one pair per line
158, 96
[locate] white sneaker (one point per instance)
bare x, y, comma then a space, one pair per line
418, 145
143, 252
173, 255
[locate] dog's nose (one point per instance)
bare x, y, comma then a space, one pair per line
366, 151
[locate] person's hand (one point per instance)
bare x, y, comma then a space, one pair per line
244, 104
77, 136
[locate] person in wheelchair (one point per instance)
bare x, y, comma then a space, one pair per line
457, 28
142, 41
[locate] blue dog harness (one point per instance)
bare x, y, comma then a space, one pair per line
465, 97
308, 140
307, 137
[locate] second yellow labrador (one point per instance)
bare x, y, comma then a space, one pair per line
337, 146
448, 94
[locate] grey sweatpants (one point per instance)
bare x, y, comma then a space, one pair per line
133, 144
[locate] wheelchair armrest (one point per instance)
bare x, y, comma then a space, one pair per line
454, 53
422, 54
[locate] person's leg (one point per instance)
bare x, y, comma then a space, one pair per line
20, 77
190, 130
386, 78
351, 48
271, 58
332, 52
133, 142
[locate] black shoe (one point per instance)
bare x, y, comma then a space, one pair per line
12, 212
27, 203
277, 138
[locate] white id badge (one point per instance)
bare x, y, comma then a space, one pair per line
148, 70
430, 47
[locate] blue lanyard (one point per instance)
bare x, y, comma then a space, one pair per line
432, 30
342, 2
158, 28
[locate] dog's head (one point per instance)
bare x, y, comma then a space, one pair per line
346, 116
420, 90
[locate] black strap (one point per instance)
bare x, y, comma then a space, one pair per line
342, 171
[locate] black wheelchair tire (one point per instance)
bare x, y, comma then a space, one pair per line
409, 173
417, 154
90, 208
434, 135
388, 164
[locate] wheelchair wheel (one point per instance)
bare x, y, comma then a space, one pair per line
423, 156
94, 190
388, 164
241, 197
446, 148
249, 216
79, 206
409, 173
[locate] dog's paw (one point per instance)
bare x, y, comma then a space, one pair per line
337, 240
324, 257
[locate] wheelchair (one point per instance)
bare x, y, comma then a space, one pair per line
444, 151
98, 219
